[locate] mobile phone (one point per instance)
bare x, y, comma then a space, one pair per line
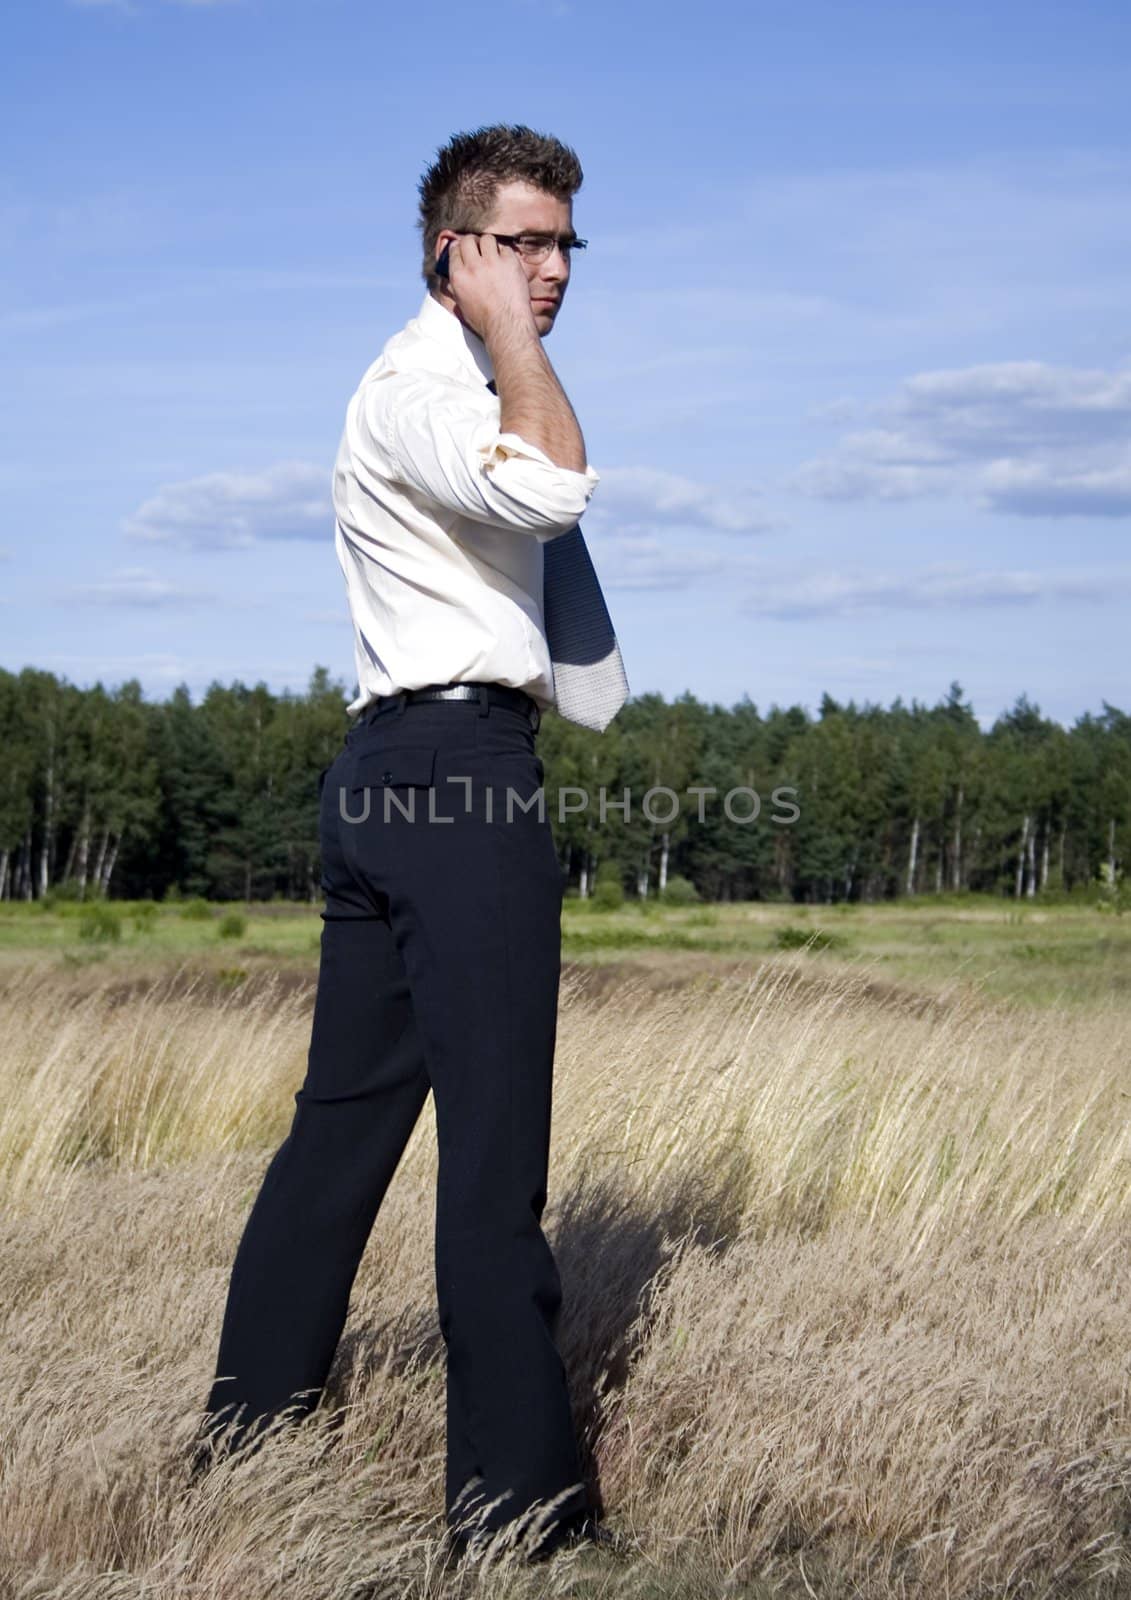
442, 262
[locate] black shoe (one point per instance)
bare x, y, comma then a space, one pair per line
200, 1456
583, 1533
214, 1442
453, 1549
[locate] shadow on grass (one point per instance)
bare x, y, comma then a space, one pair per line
611, 1260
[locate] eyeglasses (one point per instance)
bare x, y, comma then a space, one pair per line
535, 247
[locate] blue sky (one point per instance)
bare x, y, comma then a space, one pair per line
850, 347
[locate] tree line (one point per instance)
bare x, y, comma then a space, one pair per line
106, 794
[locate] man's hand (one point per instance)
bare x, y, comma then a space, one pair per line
489, 285
487, 282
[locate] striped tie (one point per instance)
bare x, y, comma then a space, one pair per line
590, 685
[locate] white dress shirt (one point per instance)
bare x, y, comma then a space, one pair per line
440, 520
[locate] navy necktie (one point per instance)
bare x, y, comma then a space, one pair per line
590, 685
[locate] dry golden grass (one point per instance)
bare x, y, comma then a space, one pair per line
846, 1297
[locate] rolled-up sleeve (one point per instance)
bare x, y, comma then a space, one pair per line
446, 445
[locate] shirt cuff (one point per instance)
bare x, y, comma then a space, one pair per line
513, 444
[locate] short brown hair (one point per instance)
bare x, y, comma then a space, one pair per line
458, 191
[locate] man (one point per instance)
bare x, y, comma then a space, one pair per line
441, 946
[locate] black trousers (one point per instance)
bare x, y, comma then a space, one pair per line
440, 963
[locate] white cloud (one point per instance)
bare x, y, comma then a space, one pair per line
166, 666
138, 586
231, 510
1019, 436
1022, 402
635, 499
1033, 489
944, 585
640, 562
292, 501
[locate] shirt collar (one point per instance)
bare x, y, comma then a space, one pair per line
461, 341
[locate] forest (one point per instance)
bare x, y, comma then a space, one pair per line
104, 793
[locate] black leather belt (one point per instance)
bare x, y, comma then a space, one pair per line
485, 693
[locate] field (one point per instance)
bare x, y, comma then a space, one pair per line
840, 1201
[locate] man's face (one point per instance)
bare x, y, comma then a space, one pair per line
521, 208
